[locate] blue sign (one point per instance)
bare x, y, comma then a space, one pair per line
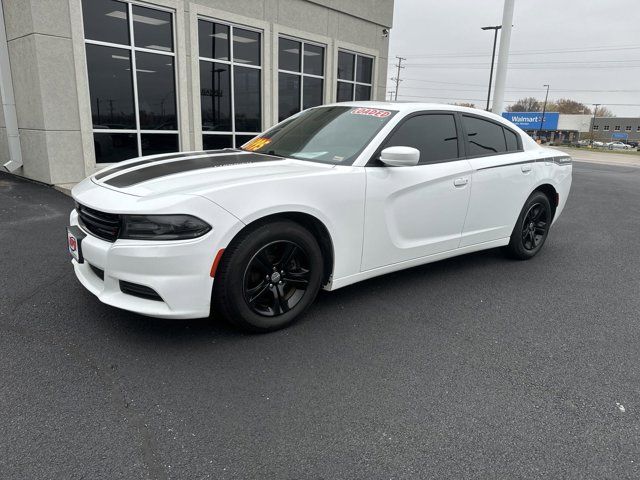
619, 136
531, 120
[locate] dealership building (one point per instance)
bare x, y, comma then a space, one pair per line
86, 83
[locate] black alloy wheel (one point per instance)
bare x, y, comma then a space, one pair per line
276, 278
268, 276
532, 227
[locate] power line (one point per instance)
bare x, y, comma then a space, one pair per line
530, 52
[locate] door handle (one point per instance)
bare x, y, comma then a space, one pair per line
525, 168
460, 182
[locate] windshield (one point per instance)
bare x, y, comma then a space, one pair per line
334, 135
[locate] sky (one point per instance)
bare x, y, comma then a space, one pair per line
586, 50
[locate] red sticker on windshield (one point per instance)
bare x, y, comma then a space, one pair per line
374, 112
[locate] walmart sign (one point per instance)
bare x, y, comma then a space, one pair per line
531, 120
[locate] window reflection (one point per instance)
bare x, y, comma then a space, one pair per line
115, 147
152, 29
313, 60
363, 92
155, 143
345, 65
246, 46
110, 87
312, 92
288, 95
106, 21
289, 55
156, 92
345, 92
215, 96
216, 142
213, 40
247, 99
112, 83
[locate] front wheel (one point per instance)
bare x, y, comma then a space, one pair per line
532, 227
268, 276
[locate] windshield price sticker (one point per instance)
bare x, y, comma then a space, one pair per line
373, 112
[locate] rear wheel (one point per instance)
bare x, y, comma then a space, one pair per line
532, 227
268, 276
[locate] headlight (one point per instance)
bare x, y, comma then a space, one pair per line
162, 227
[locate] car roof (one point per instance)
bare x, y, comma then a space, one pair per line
408, 107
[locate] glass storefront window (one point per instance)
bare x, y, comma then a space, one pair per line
230, 83
132, 115
355, 77
300, 76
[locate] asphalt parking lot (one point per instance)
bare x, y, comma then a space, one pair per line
474, 367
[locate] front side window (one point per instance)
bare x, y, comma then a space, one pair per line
132, 114
483, 137
300, 76
230, 84
334, 135
434, 135
355, 77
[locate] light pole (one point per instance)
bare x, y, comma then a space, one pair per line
493, 57
544, 110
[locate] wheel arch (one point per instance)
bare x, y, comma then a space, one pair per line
552, 194
312, 223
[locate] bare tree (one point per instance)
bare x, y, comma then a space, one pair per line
464, 104
528, 104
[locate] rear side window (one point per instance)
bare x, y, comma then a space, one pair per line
483, 137
512, 140
434, 135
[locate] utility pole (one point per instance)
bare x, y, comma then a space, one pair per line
593, 124
397, 77
544, 110
493, 57
503, 57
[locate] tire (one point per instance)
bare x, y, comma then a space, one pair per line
268, 276
532, 227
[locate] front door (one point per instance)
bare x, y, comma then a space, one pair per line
414, 212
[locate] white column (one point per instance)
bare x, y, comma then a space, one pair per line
503, 58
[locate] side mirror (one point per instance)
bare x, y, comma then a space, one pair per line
400, 156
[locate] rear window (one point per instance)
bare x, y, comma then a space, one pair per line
483, 137
512, 140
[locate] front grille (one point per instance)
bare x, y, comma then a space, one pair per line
103, 225
139, 291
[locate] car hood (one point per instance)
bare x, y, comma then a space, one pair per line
200, 172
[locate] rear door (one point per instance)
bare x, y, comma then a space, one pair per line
503, 178
413, 212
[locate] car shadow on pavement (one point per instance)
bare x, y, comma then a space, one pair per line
328, 306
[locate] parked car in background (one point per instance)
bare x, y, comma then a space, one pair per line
618, 146
597, 144
633, 144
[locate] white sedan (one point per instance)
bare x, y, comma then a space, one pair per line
618, 146
331, 196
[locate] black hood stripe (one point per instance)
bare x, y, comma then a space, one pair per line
171, 156
153, 172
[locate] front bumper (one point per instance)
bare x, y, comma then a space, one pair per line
179, 271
